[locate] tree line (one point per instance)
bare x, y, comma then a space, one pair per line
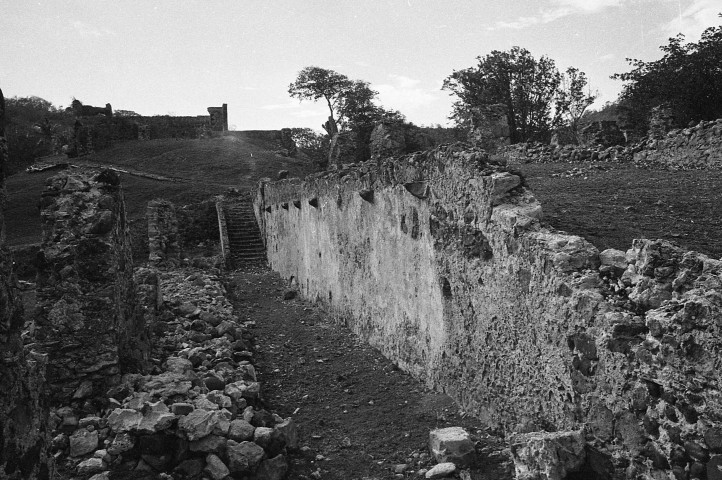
538, 99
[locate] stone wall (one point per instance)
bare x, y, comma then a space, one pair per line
86, 317
440, 261
695, 147
163, 243
23, 409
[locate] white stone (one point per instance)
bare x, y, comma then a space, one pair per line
452, 444
441, 470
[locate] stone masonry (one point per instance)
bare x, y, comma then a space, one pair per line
163, 243
439, 260
86, 317
23, 409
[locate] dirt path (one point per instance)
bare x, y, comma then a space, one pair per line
359, 417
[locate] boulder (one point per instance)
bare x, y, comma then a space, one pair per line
243, 457
241, 430
83, 442
452, 444
198, 424
272, 468
215, 468
441, 470
124, 420
547, 455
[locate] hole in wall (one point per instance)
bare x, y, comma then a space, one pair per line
313, 202
319, 254
297, 204
445, 287
404, 228
284, 206
330, 296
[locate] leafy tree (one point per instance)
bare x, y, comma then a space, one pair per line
315, 83
126, 113
350, 102
524, 85
688, 78
573, 97
313, 144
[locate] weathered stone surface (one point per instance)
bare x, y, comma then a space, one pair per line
91, 466
124, 420
452, 444
86, 318
156, 418
243, 457
441, 470
215, 467
121, 443
82, 442
162, 233
198, 424
547, 456
288, 433
523, 325
209, 444
241, 430
272, 468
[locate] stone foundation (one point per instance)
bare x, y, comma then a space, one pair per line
440, 261
86, 317
162, 233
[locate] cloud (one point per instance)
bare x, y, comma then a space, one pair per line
608, 57
559, 9
405, 93
90, 31
693, 20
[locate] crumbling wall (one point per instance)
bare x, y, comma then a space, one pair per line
440, 261
695, 147
23, 409
86, 316
163, 239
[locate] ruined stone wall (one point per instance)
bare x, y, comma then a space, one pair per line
163, 238
86, 317
439, 260
699, 146
23, 408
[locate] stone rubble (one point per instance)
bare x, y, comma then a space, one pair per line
198, 413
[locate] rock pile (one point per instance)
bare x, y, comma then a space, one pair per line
696, 147
198, 415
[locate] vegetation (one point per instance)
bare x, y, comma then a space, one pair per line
688, 79
30, 124
524, 85
350, 102
573, 97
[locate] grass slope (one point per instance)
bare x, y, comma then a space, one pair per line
202, 167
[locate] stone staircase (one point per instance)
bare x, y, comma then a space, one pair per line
245, 246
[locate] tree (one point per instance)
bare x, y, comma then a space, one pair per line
315, 83
688, 78
350, 102
515, 79
573, 97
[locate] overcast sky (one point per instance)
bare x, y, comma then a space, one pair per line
179, 57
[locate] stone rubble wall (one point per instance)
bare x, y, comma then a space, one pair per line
163, 239
697, 147
200, 414
86, 319
440, 261
23, 408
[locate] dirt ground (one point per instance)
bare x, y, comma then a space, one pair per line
610, 205
359, 416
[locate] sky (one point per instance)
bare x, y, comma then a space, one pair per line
180, 57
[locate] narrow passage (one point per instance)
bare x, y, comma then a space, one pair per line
359, 416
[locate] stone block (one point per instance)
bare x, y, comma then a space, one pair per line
547, 455
452, 444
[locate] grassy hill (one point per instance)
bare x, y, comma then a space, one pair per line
608, 204
198, 168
